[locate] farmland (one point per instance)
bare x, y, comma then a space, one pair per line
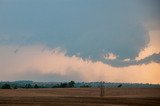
79, 97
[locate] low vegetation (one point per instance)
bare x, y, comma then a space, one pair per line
71, 84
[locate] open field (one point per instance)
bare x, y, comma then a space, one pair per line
80, 97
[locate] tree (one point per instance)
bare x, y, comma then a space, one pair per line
56, 86
63, 85
15, 87
6, 86
85, 86
71, 84
28, 86
36, 86
120, 85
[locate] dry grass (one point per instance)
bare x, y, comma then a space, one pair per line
80, 97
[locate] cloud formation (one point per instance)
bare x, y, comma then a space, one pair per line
127, 60
110, 56
153, 46
33, 64
86, 29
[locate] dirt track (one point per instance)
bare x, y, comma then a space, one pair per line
80, 97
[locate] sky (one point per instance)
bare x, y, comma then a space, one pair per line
80, 40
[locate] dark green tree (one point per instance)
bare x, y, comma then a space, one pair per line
71, 84
6, 86
15, 87
120, 85
28, 86
56, 86
36, 86
63, 85
85, 86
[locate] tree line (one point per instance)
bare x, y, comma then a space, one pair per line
27, 86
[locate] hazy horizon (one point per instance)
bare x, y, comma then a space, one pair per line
80, 40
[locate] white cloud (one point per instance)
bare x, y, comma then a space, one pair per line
110, 56
127, 60
152, 47
31, 59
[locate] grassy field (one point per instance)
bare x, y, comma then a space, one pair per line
80, 97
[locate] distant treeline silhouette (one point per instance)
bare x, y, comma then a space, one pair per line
30, 84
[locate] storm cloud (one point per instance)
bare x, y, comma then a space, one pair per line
33, 64
67, 39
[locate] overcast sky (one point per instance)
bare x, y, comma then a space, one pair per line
81, 40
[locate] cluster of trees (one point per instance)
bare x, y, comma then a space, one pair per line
8, 86
65, 85
28, 85
85, 86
